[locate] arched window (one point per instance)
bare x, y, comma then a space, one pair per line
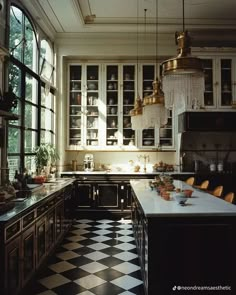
36, 98
22, 40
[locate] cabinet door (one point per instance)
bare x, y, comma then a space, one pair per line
225, 99
128, 100
218, 82
107, 196
93, 102
41, 240
75, 105
28, 254
125, 196
59, 220
13, 267
84, 195
112, 104
50, 230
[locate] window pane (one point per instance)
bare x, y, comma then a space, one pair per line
30, 46
16, 34
46, 60
30, 141
46, 137
31, 91
30, 164
13, 165
15, 79
13, 140
30, 116
46, 119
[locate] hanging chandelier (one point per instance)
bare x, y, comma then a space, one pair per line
183, 76
154, 112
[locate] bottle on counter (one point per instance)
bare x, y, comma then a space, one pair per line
220, 167
212, 167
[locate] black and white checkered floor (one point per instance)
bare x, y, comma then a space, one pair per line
97, 257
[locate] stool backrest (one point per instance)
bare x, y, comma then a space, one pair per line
190, 181
217, 192
229, 197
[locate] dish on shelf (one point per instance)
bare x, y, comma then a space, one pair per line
148, 142
92, 86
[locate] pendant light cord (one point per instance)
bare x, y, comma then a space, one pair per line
183, 17
137, 44
156, 35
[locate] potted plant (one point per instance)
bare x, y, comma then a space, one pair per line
46, 156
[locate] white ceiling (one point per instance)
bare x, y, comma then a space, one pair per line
122, 16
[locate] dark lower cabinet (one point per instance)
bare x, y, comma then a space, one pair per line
27, 242
101, 195
107, 196
41, 250
13, 267
84, 195
28, 252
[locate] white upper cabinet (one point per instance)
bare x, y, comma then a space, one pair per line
100, 97
219, 82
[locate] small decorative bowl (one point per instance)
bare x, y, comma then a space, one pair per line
188, 193
181, 198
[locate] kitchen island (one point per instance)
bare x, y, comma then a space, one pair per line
184, 247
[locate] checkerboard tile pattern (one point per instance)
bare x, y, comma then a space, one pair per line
97, 257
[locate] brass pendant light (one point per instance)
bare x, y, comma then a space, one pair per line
184, 63
183, 77
154, 112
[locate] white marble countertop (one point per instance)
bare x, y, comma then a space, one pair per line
120, 173
200, 204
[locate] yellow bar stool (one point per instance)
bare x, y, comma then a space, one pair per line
203, 185
217, 192
229, 197
190, 180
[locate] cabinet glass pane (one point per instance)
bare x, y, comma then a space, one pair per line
208, 72
226, 82
92, 103
148, 137
112, 94
166, 132
128, 103
75, 111
148, 71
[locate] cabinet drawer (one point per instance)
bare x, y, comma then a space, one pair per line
12, 230
28, 219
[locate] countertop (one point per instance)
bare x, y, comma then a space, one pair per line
35, 197
200, 204
121, 173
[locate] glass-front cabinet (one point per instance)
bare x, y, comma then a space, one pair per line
100, 98
219, 85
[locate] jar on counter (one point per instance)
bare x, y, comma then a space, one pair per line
212, 167
220, 167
